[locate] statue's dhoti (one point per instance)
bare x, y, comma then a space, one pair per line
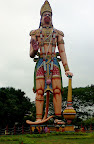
39, 72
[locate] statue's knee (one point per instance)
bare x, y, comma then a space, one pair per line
40, 92
39, 95
57, 91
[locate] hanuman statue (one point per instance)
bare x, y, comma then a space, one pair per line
47, 74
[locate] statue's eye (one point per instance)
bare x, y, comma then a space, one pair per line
47, 14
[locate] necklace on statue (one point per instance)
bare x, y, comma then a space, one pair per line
47, 33
48, 79
47, 27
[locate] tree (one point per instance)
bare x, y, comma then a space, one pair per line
83, 101
13, 106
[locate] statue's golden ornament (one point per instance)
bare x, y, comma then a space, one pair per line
45, 8
47, 34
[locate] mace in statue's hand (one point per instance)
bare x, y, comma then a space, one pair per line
35, 45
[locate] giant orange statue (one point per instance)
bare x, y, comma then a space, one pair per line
47, 74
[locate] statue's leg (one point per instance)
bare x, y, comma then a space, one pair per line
39, 98
57, 98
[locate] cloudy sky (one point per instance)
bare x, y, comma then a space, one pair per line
18, 17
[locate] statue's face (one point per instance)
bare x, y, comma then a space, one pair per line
46, 18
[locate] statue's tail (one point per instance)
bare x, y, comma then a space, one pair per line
47, 105
45, 119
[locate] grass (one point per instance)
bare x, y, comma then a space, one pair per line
54, 138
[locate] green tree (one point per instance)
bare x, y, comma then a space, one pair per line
83, 101
13, 106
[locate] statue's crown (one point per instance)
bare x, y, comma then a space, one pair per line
45, 7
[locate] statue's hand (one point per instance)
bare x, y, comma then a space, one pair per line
68, 73
35, 45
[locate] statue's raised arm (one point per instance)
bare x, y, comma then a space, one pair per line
34, 45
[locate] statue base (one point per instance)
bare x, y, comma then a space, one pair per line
69, 128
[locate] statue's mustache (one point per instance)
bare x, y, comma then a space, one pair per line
47, 19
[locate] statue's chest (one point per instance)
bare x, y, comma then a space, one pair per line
47, 36
46, 32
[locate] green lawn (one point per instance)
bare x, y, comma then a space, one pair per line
56, 138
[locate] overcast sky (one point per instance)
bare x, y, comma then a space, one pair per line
18, 17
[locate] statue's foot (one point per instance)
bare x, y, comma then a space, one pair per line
56, 121
38, 120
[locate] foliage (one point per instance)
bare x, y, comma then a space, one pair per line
89, 122
83, 101
13, 106
31, 115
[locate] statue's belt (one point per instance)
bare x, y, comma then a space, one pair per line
47, 43
48, 56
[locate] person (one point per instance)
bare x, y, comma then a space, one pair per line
36, 131
47, 73
46, 129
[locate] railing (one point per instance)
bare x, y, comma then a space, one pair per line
30, 129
